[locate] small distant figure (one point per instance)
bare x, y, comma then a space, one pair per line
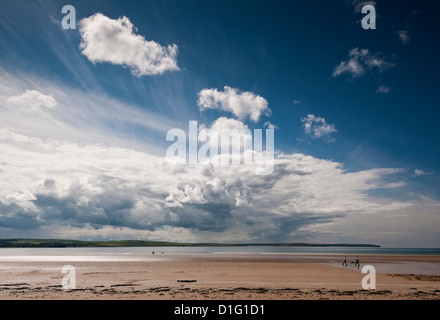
344, 263
357, 262
152, 252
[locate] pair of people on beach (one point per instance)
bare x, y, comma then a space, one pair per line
344, 263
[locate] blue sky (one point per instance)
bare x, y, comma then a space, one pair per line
372, 95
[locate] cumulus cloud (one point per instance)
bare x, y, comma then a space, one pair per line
220, 124
115, 41
57, 182
317, 127
224, 123
241, 104
33, 100
237, 141
359, 61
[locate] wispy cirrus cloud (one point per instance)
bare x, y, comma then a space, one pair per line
418, 173
46, 109
115, 41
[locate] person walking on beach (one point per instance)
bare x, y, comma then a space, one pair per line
345, 262
357, 262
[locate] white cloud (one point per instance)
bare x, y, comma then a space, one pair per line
115, 41
215, 130
359, 61
33, 101
241, 104
317, 127
404, 36
383, 89
223, 123
296, 101
69, 174
50, 182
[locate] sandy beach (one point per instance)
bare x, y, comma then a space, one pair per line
219, 277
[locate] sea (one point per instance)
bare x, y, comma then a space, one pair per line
220, 250
150, 254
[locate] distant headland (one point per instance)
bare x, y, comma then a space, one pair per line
59, 243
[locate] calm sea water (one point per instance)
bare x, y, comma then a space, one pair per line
232, 250
144, 254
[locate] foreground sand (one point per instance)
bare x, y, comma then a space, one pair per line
225, 277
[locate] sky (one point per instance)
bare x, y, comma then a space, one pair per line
86, 104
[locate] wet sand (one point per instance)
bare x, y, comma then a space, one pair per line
219, 277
